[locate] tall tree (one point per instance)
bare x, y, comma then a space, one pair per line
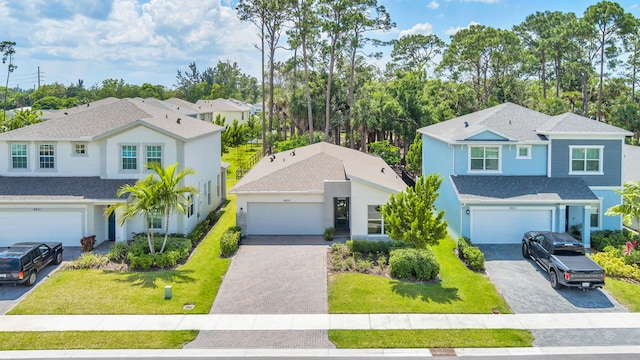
7, 51
415, 52
610, 22
631, 44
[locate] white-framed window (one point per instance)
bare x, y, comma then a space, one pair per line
189, 205
218, 186
484, 158
155, 220
46, 156
209, 192
523, 152
128, 157
153, 154
375, 223
595, 215
79, 149
585, 159
19, 156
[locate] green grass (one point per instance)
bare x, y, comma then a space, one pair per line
460, 291
628, 294
113, 292
236, 156
65, 340
447, 338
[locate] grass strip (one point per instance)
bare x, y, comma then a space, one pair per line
78, 340
438, 338
628, 294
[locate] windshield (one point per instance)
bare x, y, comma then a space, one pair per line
7, 265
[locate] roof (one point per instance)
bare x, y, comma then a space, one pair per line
95, 122
52, 114
305, 169
521, 189
631, 163
28, 188
183, 106
222, 105
518, 124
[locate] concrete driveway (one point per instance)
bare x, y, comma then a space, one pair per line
525, 286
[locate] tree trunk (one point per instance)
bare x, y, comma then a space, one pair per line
264, 109
544, 76
351, 80
599, 115
585, 93
327, 124
307, 88
272, 51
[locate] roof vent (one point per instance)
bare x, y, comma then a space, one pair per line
178, 121
293, 153
382, 170
466, 124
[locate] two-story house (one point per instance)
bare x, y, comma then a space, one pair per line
57, 177
509, 169
229, 109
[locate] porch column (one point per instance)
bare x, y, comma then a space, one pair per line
586, 227
562, 219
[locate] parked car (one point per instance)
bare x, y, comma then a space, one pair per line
21, 262
563, 258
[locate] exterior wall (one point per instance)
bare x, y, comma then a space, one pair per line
334, 189
229, 116
363, 195
611, 166
511, 165
608, 198
243, 199
486, 135
65, 161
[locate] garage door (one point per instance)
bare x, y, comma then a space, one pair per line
504, 226
63, 226
284, 219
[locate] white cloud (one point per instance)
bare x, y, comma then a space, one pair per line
433, 5
453, 30
424, 29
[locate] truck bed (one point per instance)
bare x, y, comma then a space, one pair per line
579, 263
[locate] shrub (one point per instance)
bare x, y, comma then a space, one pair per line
376, 247
118, 252
229, 242
603, 238
203, 227
88, 261
614, 265
340, 249
470, 254
176, 250
413, 264
329, 233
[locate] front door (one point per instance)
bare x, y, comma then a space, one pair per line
112, 226
341, 211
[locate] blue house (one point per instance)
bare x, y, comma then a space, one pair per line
508, 169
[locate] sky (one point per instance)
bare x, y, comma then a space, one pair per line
148, 41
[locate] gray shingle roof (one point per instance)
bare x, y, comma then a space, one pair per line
521, 189
183, 106
222, 105
96, 122
517, 123
29, 188
631, 163
311, 165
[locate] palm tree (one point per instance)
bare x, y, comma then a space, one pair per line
142, 200
170, 194
630, 207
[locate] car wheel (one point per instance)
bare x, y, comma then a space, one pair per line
58, 258
33, 276
525, 251
553, 279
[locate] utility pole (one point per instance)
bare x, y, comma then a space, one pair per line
38, 76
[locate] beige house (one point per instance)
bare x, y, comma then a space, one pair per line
229, 109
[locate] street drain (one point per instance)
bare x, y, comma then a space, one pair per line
188, 307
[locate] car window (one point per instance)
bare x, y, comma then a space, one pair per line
547, 244
9, 264
44, 249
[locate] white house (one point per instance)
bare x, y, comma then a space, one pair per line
57, 177
230, 109
308, 189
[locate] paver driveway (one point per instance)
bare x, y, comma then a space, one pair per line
273, 275
526, 288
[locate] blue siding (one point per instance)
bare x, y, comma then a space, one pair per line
511, 166
612, 161
487, 135
609, 199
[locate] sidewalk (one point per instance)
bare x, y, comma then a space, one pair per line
319, 322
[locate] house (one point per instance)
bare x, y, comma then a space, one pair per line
508, 169
229, 109
632, 170
57, 177
185, 107
308, 189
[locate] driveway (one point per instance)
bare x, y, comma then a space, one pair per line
526, 288
273, 275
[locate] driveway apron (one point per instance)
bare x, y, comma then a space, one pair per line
272, 275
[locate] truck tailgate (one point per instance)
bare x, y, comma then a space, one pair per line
579, 263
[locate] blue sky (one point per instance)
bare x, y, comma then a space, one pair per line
149, 40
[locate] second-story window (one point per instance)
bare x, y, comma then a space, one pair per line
46, 156
18, 156
586, 159
154, 154
484, 158
129, 157
79, 149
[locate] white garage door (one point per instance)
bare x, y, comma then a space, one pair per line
63, 226
284, 219
504, 226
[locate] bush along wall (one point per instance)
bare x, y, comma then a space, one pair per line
470, 254
230, 241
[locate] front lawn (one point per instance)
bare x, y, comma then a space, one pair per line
628, 294
113, 292
459, 291
437, 338
67, 340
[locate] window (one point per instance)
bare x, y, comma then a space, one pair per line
190, 205
79, 149
375, 223
484, 158
154, 154
595, 216
218, 186
155, 220
129, 157
209, 192
18, 156
524, 152
46, 156
586, 159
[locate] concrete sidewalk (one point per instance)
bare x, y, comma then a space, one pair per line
319, 322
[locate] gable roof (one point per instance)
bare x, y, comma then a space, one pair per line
182, 106
517, 124
305, 169
96, 122
221, 104
52, 114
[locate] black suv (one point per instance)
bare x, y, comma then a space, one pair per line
21, 262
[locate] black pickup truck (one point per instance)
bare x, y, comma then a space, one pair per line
21, 262
563, 258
